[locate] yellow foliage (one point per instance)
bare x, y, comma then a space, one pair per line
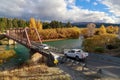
32, 23
102, 30
60, 33
39, 26
84, 32
5, 55
98, 41
111, 29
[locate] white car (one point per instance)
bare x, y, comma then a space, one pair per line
44, 46
78, 54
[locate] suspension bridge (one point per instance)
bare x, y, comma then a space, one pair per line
30, 38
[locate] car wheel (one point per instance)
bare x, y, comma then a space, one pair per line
66, 55
77, 58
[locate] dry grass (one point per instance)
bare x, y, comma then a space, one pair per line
37, 72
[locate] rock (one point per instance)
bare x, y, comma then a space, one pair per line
36, 57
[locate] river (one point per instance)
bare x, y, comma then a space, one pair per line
22, 53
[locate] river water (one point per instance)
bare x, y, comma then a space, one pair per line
22, 53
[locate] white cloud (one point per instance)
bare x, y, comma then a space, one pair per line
113, 7
95, 3
52, 10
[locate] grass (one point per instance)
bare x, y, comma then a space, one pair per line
37, 72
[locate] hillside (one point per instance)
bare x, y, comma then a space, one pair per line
83, 24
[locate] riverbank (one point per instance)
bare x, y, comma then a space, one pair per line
54, 39
36, 72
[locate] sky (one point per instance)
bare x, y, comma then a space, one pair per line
107, 11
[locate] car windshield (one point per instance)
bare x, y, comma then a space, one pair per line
78, 51
72, 51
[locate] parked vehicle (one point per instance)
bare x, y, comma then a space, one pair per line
44, 46
78, 54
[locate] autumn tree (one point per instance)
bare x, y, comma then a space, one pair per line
84, 32
39, 25
91, 29
112, 29
32, 23
102, 30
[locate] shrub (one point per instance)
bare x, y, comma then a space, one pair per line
99, 49
0, 43
111, 47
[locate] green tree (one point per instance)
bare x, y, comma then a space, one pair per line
22, 23
46, 25
9, 23
68, 24
15, 22
55, 24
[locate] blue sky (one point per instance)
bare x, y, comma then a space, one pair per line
107, 11
94, 5
91, 5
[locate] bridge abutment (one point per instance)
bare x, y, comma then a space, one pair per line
37, 58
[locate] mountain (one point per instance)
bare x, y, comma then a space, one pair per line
84, 24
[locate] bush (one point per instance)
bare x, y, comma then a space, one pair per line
6, 55
111, 47
0, 43
99, 49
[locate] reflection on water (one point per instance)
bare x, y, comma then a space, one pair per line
69, 43
22, 54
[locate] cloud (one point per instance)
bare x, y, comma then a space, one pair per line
61, 10
113, 7
88, 0
95, 3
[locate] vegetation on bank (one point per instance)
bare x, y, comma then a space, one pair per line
96, 39
6, 23
101, 40
56, 32
6, 55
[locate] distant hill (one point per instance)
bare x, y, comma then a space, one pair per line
84, 24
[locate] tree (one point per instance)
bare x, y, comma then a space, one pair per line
22, 23
102, 30
3, 23
15, 22
68, 24
112, 29
91, 29
9, 23
32, 23
46, 25
55, 24
84, 32
39, 26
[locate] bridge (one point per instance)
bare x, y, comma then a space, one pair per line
30, 38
